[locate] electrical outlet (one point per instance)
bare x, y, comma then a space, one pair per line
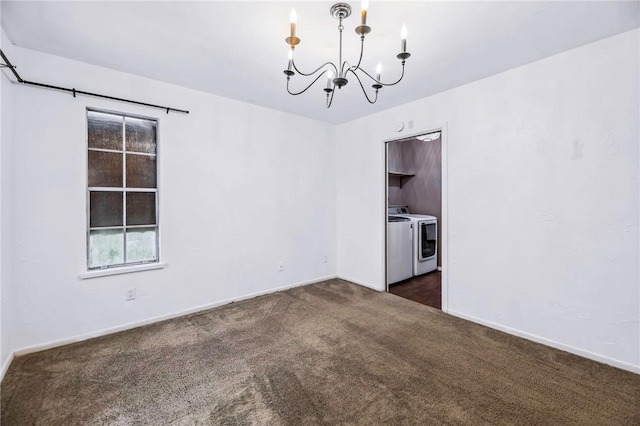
131, 293
281, 266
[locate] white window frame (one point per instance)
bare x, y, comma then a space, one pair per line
132, 266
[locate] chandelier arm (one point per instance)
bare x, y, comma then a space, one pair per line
344, 64
362, 87
293, 62
306, 88
384, 84
361, 53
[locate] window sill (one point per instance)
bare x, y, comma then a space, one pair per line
123, 270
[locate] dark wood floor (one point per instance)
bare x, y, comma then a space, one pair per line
425, 289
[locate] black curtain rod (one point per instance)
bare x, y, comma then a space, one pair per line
75, 92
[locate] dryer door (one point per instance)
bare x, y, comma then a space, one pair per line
427, 239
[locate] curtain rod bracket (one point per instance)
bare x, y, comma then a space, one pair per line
74, 92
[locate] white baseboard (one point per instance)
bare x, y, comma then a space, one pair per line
362, 283
136, 324
5, 366
567, 348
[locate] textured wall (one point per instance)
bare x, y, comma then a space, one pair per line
542, 198
423, 192
3, 80
6, 249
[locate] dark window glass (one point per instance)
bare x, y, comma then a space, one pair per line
141, 171
141, 208
105, 169
105, 130
105, 209
140, 135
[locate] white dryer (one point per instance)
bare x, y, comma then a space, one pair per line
425, 239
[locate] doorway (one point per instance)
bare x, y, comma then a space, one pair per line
414, 206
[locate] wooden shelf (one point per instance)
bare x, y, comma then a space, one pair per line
401, 175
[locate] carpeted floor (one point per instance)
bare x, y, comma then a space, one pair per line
328, 353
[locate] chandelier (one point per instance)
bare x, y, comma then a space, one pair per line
336, 75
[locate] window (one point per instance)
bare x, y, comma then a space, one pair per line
122, 190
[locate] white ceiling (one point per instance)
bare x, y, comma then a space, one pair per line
237, 49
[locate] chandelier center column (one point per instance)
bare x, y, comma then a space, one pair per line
340, 11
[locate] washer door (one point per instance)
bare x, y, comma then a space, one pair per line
427, 240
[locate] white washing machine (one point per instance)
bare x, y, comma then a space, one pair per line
399, 249
425, 239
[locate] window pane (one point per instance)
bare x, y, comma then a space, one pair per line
141, 171
105, 130
105, 169
141, 208
106, 248
105, 209
141, 244
140, 135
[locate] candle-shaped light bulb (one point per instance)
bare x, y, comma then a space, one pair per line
329, 79
290, 56
363, 14
378, 71
294, 18
403, 36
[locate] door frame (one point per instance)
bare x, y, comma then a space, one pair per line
444, 236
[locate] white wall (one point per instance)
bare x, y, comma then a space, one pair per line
6, 285
2, 90
241, 188
543, 198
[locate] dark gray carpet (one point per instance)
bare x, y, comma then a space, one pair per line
328, 353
